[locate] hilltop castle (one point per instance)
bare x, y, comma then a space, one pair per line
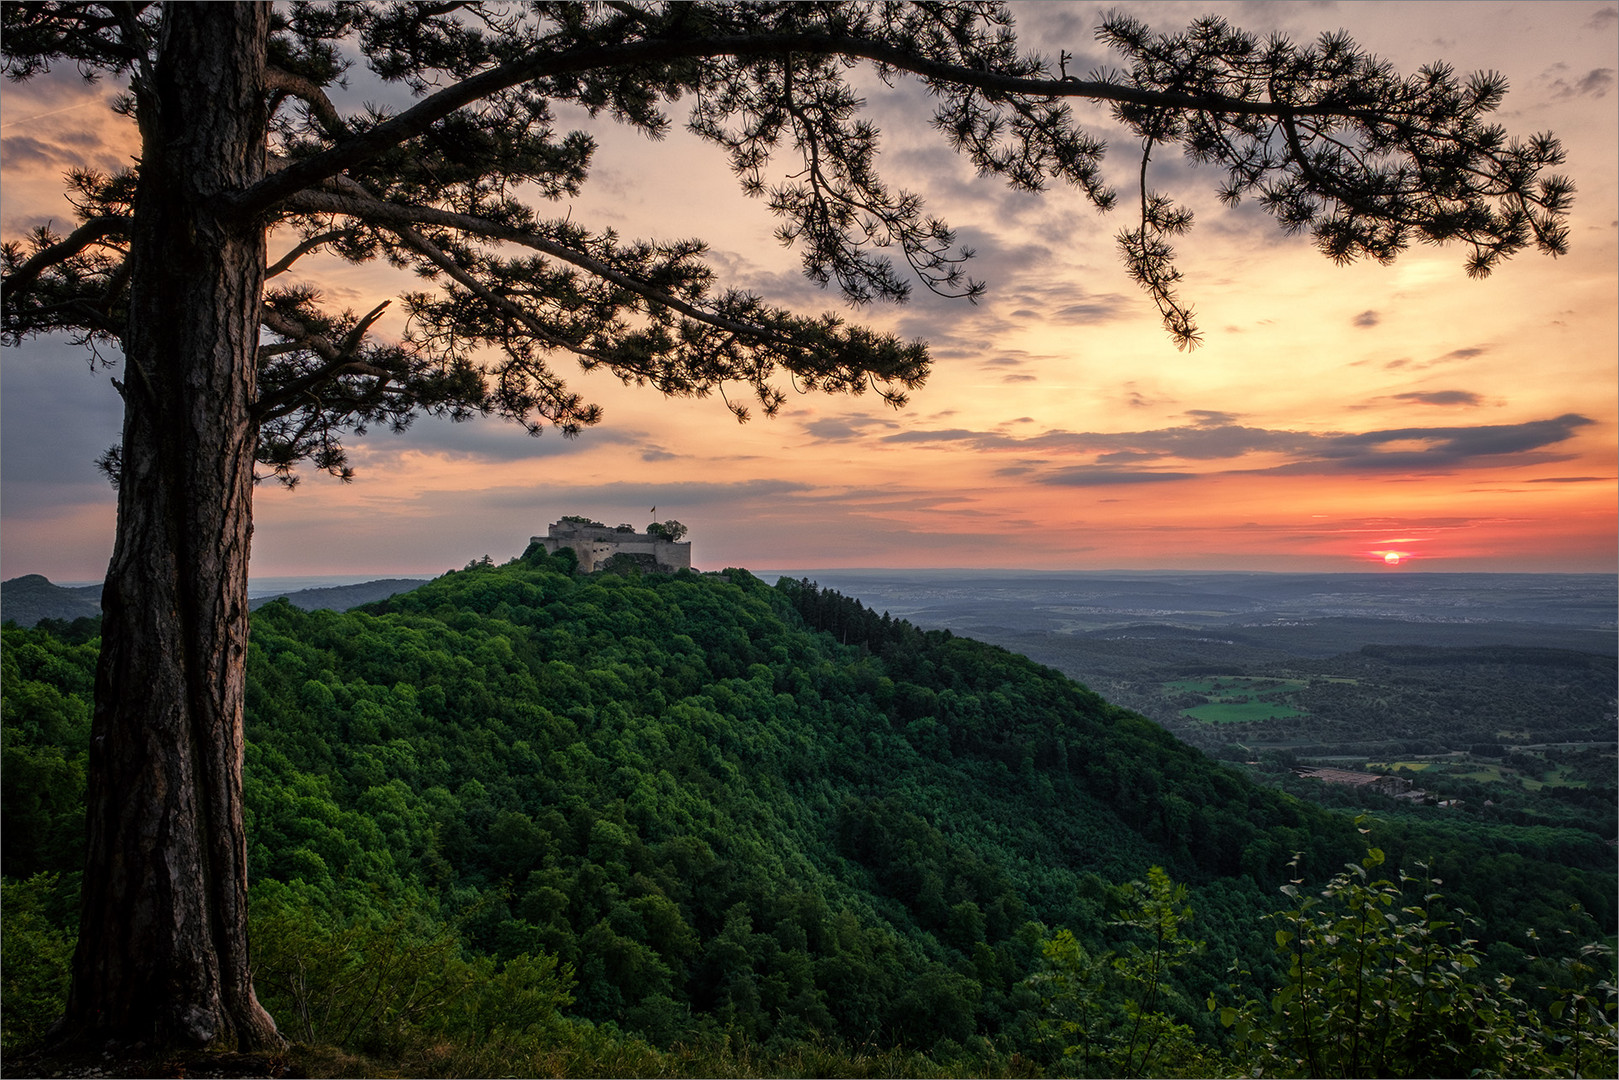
595, 543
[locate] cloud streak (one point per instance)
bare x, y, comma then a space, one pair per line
1085, 477
1441, 397
1139, 456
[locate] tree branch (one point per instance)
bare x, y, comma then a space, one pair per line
391, 216
414, 121
340, 359
434, 254
91, 232
312, 95
284, 264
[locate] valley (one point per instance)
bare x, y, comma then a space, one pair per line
1494, 687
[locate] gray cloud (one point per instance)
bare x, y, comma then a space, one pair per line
1445, 449
1366, 319
1094, 308
1210, 417
1595, 83
1212, 439
833, 429
37, 500
478, 440
1014, 358
65, 124
949, 435
1023, 291
26, 150
1486, 439
1441, 397
1064, 23
843, 428
1466, 353
1196, 443
1088, 477
625, 496
56, 419
1207, 443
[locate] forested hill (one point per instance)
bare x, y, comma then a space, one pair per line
27, 599
730, 808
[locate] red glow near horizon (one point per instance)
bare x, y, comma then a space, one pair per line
1393, 551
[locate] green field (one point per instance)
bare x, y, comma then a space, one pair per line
1560, 776
1488, 773
1234, 699
1242, 712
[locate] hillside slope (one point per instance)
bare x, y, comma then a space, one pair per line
341, 597
735, 808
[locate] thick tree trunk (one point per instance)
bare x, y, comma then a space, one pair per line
162, 955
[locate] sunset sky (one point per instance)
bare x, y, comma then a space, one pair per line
1334, 415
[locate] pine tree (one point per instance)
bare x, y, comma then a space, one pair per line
187, 264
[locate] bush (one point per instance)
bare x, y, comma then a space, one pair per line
36, 958
396, 984
1379, 985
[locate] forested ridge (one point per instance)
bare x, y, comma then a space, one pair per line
525, 820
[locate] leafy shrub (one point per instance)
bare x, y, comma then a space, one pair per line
396, 985
1111, 1014
1379, 985
35, 959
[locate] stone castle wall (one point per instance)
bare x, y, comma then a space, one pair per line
595, 544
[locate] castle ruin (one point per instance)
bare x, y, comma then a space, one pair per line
594, 544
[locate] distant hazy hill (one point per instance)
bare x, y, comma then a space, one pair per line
26, 600
343, 597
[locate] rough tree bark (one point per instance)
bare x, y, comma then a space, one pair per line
162, 954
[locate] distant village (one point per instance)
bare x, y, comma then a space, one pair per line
1395, 787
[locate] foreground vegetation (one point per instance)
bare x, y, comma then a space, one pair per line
519, 821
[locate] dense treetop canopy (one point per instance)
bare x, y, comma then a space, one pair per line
1327, 138
717, 809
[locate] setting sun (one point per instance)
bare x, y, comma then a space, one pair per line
1392, 558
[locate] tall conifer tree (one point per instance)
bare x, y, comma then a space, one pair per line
247, 165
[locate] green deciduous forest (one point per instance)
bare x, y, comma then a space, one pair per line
520, 821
